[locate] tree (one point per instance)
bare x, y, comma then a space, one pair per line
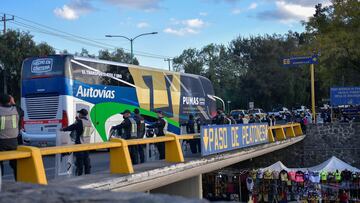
118, 55
334, 33
84, 53
189, 62
15, 46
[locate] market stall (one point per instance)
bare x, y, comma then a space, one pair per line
331, 181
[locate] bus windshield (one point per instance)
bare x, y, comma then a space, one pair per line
43, 67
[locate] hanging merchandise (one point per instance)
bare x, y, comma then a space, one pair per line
249, 184
331, 181
314, 177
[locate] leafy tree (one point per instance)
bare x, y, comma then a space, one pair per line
84, 53
15, 46
189, 62
334, 33
118, 55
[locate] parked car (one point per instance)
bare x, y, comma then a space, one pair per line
258, 112
237, 112
278, 112
300, 109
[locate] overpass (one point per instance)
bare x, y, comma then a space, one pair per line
175, 175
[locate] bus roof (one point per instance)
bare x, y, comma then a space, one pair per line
127, 65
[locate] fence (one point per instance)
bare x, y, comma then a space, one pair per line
30, 166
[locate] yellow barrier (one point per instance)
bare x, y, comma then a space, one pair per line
31, 167
284, 131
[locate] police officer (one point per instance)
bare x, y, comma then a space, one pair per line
159, 127
191, 128
219, 119
9, 129
140, 124
128, 131
83, 130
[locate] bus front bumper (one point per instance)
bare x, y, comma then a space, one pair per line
39, 140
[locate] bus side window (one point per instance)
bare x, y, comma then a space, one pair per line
149, 118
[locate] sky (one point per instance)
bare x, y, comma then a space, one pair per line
180, 24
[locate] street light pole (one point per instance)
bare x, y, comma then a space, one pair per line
132, 41
228, 106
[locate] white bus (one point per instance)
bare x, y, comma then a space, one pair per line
54, 87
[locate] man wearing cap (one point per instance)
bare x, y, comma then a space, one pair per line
83, 130
140, 124
159, 126
128, 131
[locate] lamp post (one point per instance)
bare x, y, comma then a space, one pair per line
228, 106
132, 40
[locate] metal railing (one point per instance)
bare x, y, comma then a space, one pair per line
30, 166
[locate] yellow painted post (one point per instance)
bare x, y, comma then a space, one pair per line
173, 152
280, 134
312, 72
270, 135
289, 131
31, 170
120, 161
297, 129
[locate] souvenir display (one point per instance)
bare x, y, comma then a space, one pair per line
331, 181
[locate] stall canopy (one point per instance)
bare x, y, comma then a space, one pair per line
333, 164
330, 165
278, 166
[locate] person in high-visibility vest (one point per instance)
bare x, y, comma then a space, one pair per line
9, 129
83, 130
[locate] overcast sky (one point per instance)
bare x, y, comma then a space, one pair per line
180, 24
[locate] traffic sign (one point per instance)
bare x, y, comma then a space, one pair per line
300, 60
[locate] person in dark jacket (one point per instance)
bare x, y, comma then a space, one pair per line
251, 119
128, 131
219, 119
83, 130
140, 124
241, 119
159, 127
9, 129
190, 129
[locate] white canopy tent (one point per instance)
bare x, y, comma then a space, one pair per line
333, 164
330, 165
278, 166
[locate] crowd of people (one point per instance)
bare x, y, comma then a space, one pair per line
223, 119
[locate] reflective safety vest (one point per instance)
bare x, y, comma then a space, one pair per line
166, 126
9, 119
196, 129
337, 176
323, 175
133, 132
140, 127
88, 130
